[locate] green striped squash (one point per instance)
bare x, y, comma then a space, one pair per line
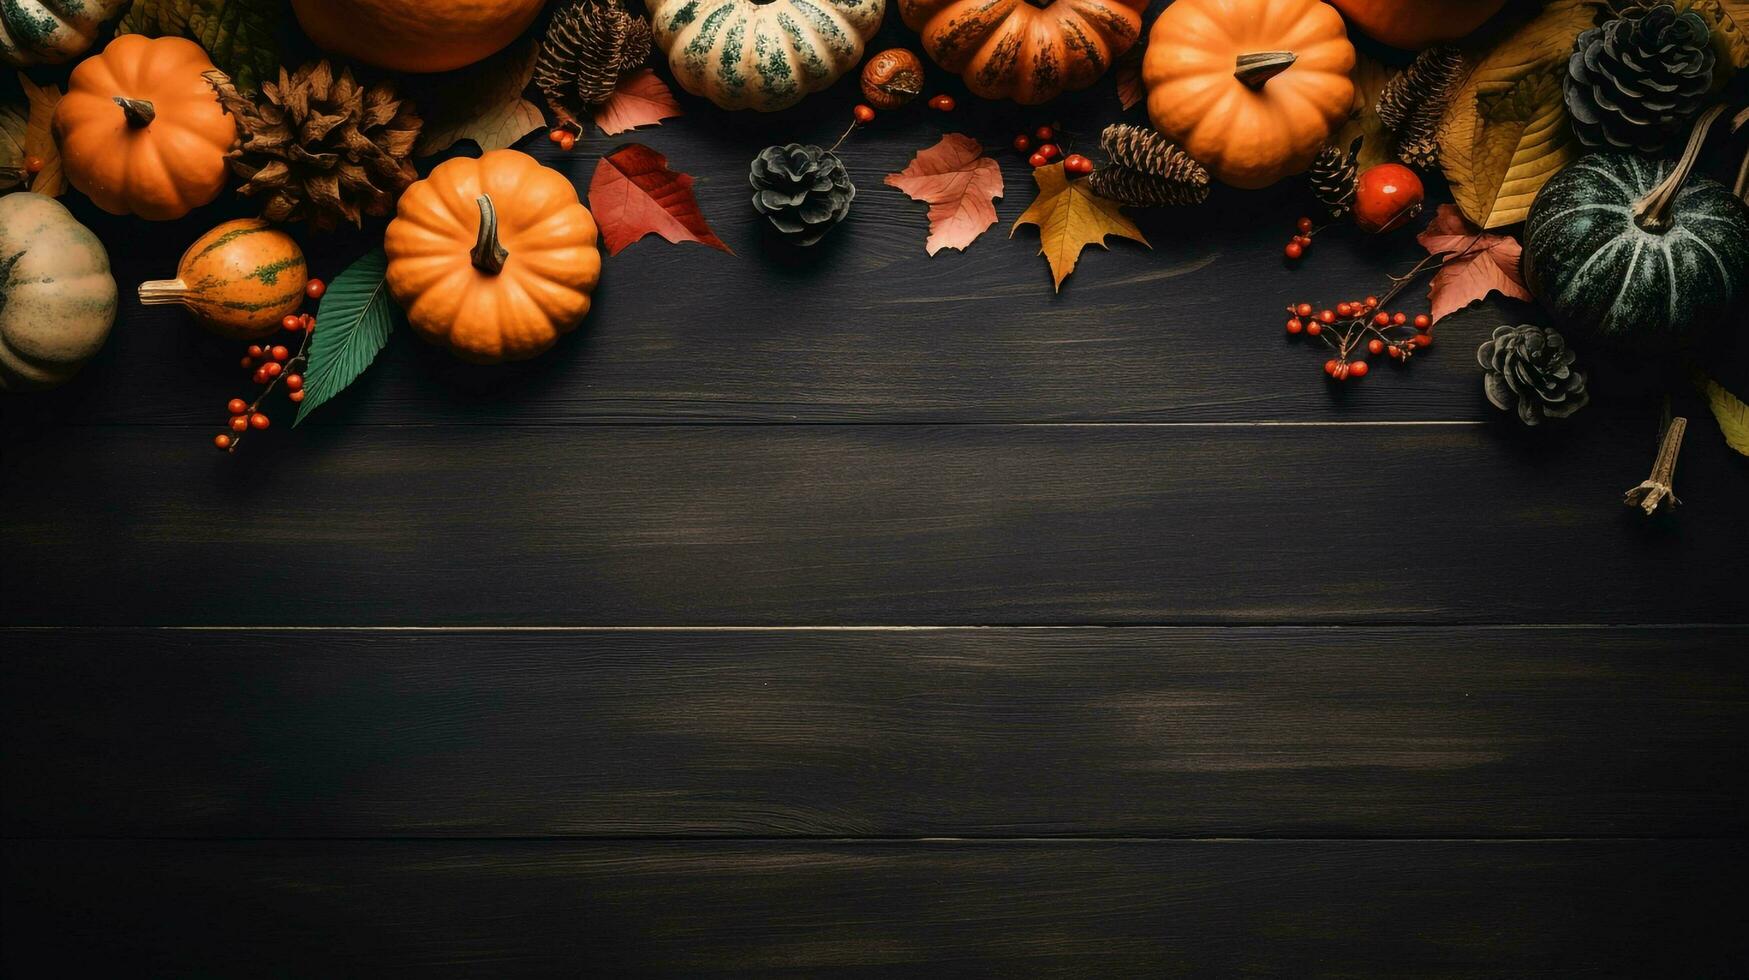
239, 280
746, 54
1600, 273
50, 32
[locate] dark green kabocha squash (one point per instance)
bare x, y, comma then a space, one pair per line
1618, 247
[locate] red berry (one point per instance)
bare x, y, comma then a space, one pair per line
1399, 318
1375, 346
1303, 309
863, 114
272, 369
222, 441
943, 103
1343, 309
1386, 197
1330, 367
1023, 143
1304, 225
236, 406
239, 423
247, 362
258, 421
292, 322
1294, 325
1421, 340
569, 143
1423, 322
1381, 319
1045, 133
309, 322
1395, 352
254, 350
1372, 301
296, 396
1314, 328
557, 135
1304, 240
260, 376
315, 288
1357, 370
1037, 160
280, 352
1078, 164
295, 381
1327, 316
1050, 151
1293, 250
34, 164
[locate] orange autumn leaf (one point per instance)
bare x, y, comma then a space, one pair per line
640, 99
1070, 217
633, 194
1477, 263
959, 183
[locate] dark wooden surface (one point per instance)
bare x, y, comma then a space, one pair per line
853, 612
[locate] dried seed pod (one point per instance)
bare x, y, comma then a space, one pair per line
892, 78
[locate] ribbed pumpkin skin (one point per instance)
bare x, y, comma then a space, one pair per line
51, 32
158, 172
746, 55
415, 35
57, 297
1413, 24
545, 286
1600, 275
1013, 49
239, 279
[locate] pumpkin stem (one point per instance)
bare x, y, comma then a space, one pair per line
489, 255
1255, 69
1652, 213
162, 292
140, 112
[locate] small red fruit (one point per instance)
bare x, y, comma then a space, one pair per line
1078, 164
1304, 225
315, 288
260, 376
236, 406
34, 164
1375, 346
255, 350
1372, 301
1357, 370
1037, 160
309, 322
1293, 250
569, 143
1050, 151
1399, 318
1386, 197
239, 423
280, 352
863, 114
1381, 319
1304, 309
1326, 316
292, 322
293, 382
1330, 367
1421, 340
1045, 133
296, 396
1343, 309
258, 421
1314, 328
222, 441
1023, 143
557, 135
1294, 325
247, 362
942, 103
1395, 352
272, 368
1423, 322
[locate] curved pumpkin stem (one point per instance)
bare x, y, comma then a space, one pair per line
489, 254
1652, 213
1255, 69
161, 292
140, 112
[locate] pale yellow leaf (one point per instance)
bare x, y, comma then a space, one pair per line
1070, 217
1729, 20
39, 137
1729, 410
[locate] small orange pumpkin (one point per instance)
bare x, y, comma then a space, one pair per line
141, 132
1250, 88
494, 256
1417, 23
1030, 51
239, 279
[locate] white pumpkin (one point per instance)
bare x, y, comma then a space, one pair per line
50, 32
744, 54
57, 296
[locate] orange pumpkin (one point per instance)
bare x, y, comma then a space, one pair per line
493, 256
1250, 88
141, 132
1417, 23
415, 35
1026, 50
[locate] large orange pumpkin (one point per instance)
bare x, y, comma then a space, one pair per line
141, 131
1417, 23
493, 256
415, 35
1250, 88
1026, 50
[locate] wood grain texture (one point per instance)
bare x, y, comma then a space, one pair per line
511, 909
981, 732
836, 525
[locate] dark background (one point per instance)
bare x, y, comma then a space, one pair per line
852, 611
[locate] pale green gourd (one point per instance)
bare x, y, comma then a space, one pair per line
762, 54
51, 32
57, 297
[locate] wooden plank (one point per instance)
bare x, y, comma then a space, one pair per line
527, 908
980, 732
832, 525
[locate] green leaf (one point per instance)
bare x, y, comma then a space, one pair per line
482, 103
241, 36
353, 323
1729, 410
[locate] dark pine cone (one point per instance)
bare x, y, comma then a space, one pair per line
1332, 176
1413, 104
1147, 170
1633, 82
1530, 369
802, 190
589, 46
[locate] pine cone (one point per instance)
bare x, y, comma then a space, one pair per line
1332, 176
802, 190
1147, 170
590, 45
1634, 82
319, 148
1530, 369
1413, 104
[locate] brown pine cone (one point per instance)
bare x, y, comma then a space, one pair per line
1332, 176
1413, 103
589, 46
321, 148
1143, 190
1147, 170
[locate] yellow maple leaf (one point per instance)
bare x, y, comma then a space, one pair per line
1070, 217
39, 141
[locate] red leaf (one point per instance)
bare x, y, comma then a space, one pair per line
1477, 263
1129, 78
633, 194
640, 99
958, 182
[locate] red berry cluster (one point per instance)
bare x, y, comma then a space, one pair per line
1360, 325
1302, 240
270, 364
564, 136
1041, 148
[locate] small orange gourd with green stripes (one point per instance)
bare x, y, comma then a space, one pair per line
239, 280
